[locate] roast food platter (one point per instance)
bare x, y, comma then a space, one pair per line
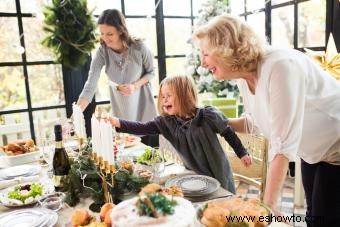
234, 211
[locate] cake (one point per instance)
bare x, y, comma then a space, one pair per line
127, 213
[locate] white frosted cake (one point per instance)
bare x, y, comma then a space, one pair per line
126, 213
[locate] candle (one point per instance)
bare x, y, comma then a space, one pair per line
78, 121
95, 134
111, 157
103, 139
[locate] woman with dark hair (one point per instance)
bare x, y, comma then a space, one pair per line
129, 68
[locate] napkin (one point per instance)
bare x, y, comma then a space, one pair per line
17, 180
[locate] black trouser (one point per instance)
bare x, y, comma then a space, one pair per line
321, 182
152, 141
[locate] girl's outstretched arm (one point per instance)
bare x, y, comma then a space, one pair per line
134, 127
114, 121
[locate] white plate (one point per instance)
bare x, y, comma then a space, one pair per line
32, 217
47, 189
19, 171
195, 185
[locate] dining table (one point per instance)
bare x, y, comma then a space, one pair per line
171, 171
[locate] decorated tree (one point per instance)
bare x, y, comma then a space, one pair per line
202, 76
71, 31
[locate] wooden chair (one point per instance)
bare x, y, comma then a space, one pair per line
256, 174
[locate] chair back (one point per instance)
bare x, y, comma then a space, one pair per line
257, 147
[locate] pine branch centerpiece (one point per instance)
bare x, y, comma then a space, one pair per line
70, 29
85, 180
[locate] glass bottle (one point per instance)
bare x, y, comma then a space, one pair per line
61, 165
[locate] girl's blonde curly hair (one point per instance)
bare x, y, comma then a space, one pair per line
237, 46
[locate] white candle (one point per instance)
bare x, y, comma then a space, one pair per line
111, 157
103, 136
95, 130
78, 121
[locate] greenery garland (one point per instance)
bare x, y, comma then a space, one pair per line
71, 31
85, 181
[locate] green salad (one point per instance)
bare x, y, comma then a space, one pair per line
150, 155
25, 191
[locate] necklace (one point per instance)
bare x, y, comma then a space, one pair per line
121, 59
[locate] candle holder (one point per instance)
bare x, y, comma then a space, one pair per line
105, 171
80, 142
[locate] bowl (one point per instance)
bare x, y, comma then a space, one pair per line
54, 201
20, 159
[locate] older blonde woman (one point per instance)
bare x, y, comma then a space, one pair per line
291, 100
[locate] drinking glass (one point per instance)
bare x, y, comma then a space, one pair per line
54, 201
158, 164
118, 147
47, 150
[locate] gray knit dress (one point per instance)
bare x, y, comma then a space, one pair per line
122, 69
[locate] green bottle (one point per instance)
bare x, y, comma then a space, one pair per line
61, 164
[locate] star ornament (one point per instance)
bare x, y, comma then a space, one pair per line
330, 60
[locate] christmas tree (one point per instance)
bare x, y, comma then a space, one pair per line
71, 31
202, 76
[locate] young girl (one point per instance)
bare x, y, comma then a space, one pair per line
191, 130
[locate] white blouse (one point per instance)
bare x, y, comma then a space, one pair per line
296, 106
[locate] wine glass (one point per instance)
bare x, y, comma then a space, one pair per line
158, 164
118, 147
47, 150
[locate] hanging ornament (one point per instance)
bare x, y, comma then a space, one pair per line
330, 60
19, 49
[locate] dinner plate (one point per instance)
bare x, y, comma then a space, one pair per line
14, 203
131, 140
194, 185
32, 217
126, 139
19, 171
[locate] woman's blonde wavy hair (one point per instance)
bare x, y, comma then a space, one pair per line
237, 46
185, 93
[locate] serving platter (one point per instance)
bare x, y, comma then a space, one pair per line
232, 205
14, 160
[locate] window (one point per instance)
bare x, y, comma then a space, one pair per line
32, 84
296, 24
